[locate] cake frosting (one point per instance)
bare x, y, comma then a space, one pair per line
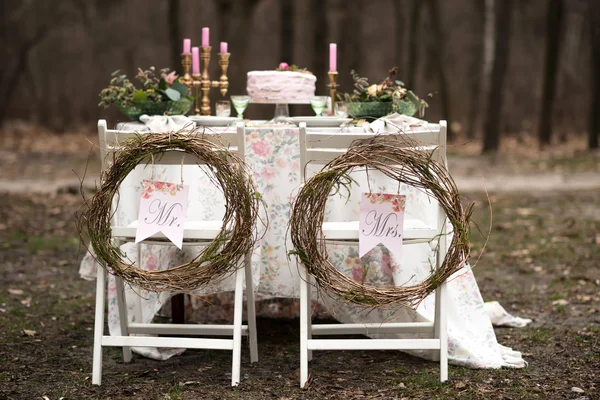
280, 86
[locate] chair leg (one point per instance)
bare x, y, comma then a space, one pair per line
443, 332
436, 323
251, 309
303, 326
441, 319
99, 326
137, 309
309, 319
123, 317
237, 329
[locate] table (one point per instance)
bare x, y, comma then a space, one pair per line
273, 155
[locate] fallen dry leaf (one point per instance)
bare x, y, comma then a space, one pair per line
460, 385
26, 302
560, 302
15, 291
525, 211
29, 332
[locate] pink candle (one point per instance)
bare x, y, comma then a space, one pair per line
187, 45
205, 34
223, 47
195, 60
333, 57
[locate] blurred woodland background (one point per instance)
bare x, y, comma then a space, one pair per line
493, 68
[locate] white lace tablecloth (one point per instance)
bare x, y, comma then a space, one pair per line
273, 155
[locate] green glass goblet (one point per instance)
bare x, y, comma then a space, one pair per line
318, 104
240, 103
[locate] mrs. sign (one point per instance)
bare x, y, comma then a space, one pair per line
381, 222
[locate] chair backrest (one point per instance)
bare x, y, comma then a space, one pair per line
109, 140
324, 144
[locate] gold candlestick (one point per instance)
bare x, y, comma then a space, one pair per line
205, 82
191, 81
196, 82
201, 83
333, 88
223, 81
186, 63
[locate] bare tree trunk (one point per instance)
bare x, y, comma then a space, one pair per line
413, 47
491, 137
287, 30
440, 49
236, 20
320, 48
350, 48
489, 49
287, 37
476, 71
399, 11
224, 12
175, 38
553, 29
594, 116
9, 84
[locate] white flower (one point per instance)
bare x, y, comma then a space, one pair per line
372, 90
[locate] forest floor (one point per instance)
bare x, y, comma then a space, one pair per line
541, 262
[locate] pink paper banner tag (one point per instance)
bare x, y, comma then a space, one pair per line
381, 222
163, 208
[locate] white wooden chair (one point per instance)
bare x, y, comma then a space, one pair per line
321, 146
195, 232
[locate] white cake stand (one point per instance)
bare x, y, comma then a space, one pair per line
282, 111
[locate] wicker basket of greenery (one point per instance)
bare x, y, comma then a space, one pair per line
378, 100
161, 94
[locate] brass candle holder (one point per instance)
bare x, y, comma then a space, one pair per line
201, 82
192, 81
186, 63
333, 88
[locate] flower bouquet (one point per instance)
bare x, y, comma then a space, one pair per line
161, 94
378, 100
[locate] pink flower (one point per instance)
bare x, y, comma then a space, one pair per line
268, 173
261, 148
152, 262
357, 273
280, 162
284, 65
171, 77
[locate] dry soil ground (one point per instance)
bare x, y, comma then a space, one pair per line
541, 261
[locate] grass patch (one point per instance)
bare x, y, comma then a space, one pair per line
541, 335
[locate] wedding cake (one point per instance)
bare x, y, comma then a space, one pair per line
280, 86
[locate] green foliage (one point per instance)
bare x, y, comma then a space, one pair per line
161, 87
388, 90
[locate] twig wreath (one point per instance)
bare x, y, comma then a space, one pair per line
221, 256
390, 155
